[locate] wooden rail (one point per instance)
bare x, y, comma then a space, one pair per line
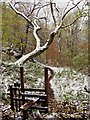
34, 89
29, 104
34, 95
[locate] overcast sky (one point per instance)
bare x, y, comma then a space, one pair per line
61, 1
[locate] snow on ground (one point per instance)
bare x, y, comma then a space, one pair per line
68, 84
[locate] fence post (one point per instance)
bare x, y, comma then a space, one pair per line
22, 83
19, 95
11, 97
22, 90
46, 84
21, 78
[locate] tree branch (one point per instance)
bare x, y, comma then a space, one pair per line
36, 28
70, 10
39, 49
21, 14
52, 12
52, 73
71, 23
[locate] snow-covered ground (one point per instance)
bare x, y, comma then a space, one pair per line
67, 84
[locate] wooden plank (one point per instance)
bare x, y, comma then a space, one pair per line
46, 79
46, 84
22, 80
16, 98
42, 96
30, 89
39, 107
29, 104
15, 88
19, 101
34, 89
22, 83
15, 94
27, 99
11, 98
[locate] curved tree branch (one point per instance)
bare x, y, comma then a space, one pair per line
21, 14
36, 28
51, 69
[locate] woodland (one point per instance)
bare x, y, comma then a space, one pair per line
46, 34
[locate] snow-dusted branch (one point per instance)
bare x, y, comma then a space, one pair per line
51, 69
38, 50
21, 14
36, 28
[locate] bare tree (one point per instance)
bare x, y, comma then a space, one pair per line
34, 18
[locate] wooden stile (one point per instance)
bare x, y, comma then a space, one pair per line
20, 100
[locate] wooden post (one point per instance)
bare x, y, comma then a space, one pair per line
15, 95
19, 96
11, 97
22, 90
46, 84
22, 83
21, 77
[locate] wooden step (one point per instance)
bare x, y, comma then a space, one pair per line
39, 107
42, 96
29, 104
28, 99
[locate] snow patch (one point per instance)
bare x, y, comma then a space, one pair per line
68, 84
